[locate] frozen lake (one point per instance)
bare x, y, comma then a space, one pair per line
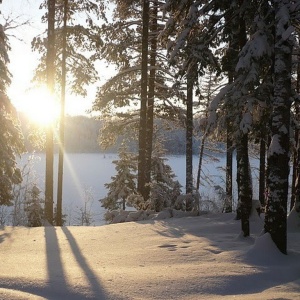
86, 173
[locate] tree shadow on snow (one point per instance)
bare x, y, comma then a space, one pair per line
222, 234
4, 235
56, 286
236, 285
96, 288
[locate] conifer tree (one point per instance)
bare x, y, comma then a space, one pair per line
278, 158
84, 39
153, 28
208, 18
83, 47
11, 138
123, 184
163, 186
142, 86
208, 87
33, 208
142, 166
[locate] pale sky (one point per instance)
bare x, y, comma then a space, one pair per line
23, 60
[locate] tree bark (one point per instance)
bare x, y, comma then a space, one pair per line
203, 140
151, 95
200, 162
244, 182
262, 167
296, 202
49, 134
296, 157
59, 221
189, 139
229, 160
278, 156
295, 164
243, 164
143, 109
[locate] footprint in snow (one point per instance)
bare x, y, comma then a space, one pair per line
171, 247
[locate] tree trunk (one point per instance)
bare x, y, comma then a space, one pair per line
243, 165
232, 55
296, 204
200, 162
244, 182
189, 140
151, 95
278, 155
229, 160
296, 156
295, 164
209, 95
262, 168
144, 99
124, 203
49, 134
62, 122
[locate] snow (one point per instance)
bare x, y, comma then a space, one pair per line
245, 125
201, 257
275, 147
286, 34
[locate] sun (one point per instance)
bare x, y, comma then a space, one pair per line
40, 106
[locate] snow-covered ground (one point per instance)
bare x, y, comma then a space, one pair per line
88, 172
186, 258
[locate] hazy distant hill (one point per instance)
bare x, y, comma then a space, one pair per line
81, 136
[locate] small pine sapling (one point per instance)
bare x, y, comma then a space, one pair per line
162, 181
123, 184
34, 209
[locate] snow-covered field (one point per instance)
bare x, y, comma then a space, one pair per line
186, 258
88, 172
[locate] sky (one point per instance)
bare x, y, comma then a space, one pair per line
187, 258
23, 61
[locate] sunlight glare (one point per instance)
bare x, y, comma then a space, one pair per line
40, 106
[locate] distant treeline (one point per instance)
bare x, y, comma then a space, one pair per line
82, 136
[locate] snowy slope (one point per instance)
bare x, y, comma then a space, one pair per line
189, 258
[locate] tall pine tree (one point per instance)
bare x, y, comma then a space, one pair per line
11, 138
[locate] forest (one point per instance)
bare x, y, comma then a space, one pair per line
224, 71
82, 136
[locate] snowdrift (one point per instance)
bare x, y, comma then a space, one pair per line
201, 257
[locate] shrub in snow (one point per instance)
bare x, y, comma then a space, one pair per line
193, 200
178, 213
176, 191
110, 215
134, 216
85, 214
4, 213
120, 216
22, 194
165, 214
209, 206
